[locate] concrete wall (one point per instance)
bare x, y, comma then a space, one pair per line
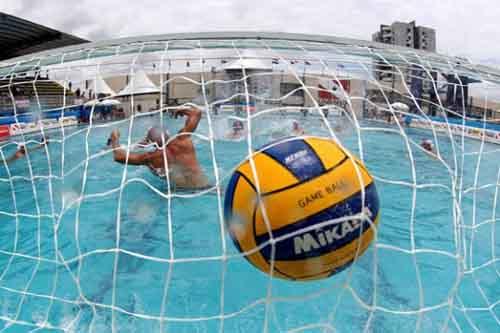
426, 39
139, 103
403, 34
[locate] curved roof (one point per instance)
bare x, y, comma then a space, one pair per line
337, 46
206, 36
19, 37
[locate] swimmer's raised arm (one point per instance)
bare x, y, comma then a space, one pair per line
192, 121
120, 155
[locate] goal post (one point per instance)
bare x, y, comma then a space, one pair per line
89, 244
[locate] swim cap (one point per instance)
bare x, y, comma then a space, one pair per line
155, 135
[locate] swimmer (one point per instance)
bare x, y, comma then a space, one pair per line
183, 167
22, 151
237, 131
296, 129
427, 146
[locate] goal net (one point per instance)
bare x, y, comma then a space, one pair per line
91, 245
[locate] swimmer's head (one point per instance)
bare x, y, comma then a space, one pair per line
155, 134
427, 142
21, 148
237, 126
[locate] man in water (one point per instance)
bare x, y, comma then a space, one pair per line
427, 145
237, 132
181, 162
296, 129
22, 151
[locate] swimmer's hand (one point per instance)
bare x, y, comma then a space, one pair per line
178, 113
183, 112
193, 116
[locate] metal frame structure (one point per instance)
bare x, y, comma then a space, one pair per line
229, 35
455, 65
19, 37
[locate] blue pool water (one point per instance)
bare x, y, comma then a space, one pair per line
64, 213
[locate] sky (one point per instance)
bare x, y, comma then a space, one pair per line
467, 28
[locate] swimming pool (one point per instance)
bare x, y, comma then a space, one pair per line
88, 244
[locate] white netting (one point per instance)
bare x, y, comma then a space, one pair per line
92, 245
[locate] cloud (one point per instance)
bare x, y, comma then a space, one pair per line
467, 28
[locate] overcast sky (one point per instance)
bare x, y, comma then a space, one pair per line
464, 27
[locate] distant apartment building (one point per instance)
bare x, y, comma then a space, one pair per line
402, 34
407, 34
399, 81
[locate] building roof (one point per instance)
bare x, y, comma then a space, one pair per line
139, 84
255, 40
20, 37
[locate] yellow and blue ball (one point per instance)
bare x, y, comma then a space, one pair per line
301, 226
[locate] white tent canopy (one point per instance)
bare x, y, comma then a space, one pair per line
139, 84
99, 86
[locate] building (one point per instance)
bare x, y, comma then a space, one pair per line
225, 90
406, 77
408, 35
454, 95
